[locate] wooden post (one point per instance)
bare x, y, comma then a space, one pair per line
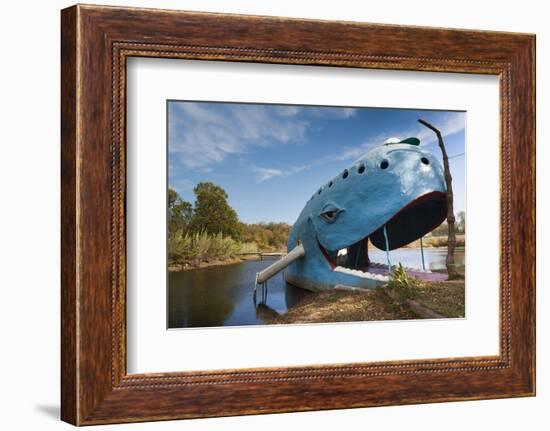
451, 235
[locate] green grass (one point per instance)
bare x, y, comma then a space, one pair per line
194, 248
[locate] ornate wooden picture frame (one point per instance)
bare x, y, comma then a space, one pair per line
96, 41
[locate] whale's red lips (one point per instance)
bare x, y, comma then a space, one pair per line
331, 259
414, 220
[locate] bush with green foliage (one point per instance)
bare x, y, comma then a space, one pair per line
179, 212
402, 283
268, 236
210, 229
194, 248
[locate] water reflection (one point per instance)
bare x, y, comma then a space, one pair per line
222, 295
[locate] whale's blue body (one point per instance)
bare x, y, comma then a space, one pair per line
398, 186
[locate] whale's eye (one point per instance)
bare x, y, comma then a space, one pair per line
361, 169
329, 215
425, 160
330, 212
384, 164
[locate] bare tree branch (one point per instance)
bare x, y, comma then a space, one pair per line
451, 236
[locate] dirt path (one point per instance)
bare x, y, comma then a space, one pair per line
444, 298
344, 306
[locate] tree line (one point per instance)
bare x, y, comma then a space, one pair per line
210, 229
460, 225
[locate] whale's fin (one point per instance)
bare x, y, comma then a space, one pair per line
410, 141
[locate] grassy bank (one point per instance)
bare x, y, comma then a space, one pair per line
437, 241
197, 250
201, 250
445, 298
208, 262
176, 267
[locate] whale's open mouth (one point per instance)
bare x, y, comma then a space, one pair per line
413, 221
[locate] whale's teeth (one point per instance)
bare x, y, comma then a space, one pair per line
361, 274
342, 269
343, 252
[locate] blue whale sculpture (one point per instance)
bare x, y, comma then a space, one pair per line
393, 195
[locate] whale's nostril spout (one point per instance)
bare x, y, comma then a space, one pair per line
425, 160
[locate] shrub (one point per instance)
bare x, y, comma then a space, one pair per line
403, 283
199, 246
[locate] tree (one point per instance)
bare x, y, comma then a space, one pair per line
212, 212
451, 235
268, 236
180, 212
461, 221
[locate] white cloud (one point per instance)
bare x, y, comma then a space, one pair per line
354, 152
448, 126
333, 113
290, 110
267, 173
182, 184
205, 134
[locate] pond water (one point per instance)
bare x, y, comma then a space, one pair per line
222, 295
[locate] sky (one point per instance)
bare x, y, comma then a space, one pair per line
271, 158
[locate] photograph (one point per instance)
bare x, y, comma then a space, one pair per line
263, 211
302, 214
